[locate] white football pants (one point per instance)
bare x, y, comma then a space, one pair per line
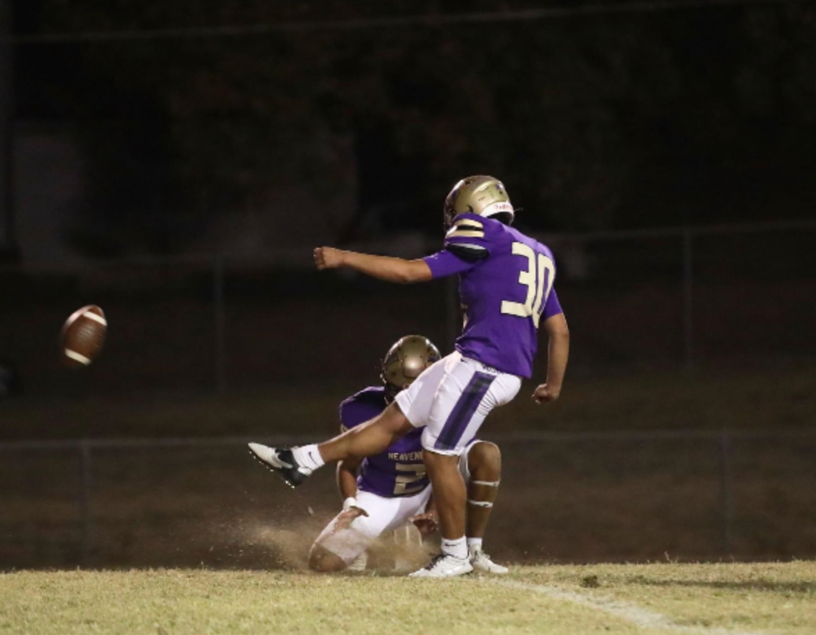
451, 399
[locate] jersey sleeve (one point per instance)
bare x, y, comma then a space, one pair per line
465, 246
553, 306
349, 415
466, 238
358, 409
445, 263
361, 407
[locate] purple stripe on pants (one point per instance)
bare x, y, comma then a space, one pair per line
462, 412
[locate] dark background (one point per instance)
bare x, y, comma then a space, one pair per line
595, 121
175, 163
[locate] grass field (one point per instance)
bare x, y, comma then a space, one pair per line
722, 599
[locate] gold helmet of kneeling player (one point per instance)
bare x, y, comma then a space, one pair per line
480, 194
405, 361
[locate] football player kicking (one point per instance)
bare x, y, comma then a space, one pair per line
506, 286
388, 490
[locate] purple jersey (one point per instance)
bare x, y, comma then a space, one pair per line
506, 286
400, 470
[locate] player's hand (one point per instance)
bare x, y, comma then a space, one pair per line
546, 394
328, 258
427, 523
347, 517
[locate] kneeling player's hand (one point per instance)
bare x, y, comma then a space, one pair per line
328, 257
546, 394
347, 517
427, 523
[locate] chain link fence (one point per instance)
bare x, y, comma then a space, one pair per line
564, 497
735, 296
674, 298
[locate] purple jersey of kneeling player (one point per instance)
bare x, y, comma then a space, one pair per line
506, 287
400, 470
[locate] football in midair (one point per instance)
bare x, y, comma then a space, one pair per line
82, 336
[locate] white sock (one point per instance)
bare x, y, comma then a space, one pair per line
308, 456
456, 548
474, 543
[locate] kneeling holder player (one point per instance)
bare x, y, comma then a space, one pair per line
389, 490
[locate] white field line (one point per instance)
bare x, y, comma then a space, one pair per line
632, 613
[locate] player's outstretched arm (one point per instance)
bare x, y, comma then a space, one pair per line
557, 356
383, 267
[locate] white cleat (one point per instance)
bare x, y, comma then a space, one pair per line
281, 461
263, 453
482, 563
444, 566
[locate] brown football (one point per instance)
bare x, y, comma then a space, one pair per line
82, 336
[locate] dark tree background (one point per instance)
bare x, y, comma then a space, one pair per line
612, 121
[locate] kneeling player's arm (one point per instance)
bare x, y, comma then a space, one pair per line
383, 267
430, 507
557, 350
347, 477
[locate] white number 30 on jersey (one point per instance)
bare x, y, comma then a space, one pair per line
538, 278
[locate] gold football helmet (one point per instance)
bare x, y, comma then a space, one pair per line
404, 362
480, 194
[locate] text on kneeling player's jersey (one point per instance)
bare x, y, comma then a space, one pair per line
400, 470
506, 288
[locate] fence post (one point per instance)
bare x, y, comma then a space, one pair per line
726, 496
688, 298
85, 501
220, 326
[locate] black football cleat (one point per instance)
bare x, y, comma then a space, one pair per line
282, 461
